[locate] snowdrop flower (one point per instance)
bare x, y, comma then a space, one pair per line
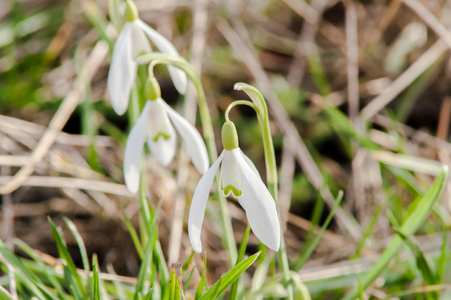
239, 178
132, 41
154, 126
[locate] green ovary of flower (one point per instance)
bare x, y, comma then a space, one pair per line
131, 12
229, 136
165, 136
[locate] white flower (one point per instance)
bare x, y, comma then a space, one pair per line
132, 41
240, 178
154, 125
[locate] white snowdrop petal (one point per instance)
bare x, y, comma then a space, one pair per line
198, 204
165, 46
162, 139
133, 151
250, 164
259, 204
192, 138
140, 42
122, 72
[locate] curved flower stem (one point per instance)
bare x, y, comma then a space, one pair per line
271, 168
239, 102
207, 127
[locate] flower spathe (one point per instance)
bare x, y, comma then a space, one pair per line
155, 125
240, 178
132, 41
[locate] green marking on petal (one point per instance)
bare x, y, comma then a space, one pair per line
236, 192
164, 135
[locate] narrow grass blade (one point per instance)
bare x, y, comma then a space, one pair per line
28, 279
143, 270
4, 294
133, 234
203, 280
159, 255
361, 297
64, 254
422, 264
46, 292
301, 261
98, 21
95, 290
341, 123
149, 295
174, 286
300, 289
319, 77
369, 229
149, 251
188, 281
409, 227
442, 262
120, 291
187, 262
220, 286
416, 164
49, 275
241, 251
80, 243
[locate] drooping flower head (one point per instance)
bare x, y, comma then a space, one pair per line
240, 178
156, 126
132, 41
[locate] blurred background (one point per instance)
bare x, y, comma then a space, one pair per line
342, 74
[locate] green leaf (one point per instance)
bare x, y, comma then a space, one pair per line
221, 285
174, 285
300, 290
22, 273
203, 280
149, 248
95, 290
422, 263
341, 123
5, 295
242, 250
187, 263
442, 262
409, 227
64, 254
42, 267
80, 243
301, 261
133, 234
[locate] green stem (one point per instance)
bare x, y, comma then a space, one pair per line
207, 127
239, 102
282, 253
